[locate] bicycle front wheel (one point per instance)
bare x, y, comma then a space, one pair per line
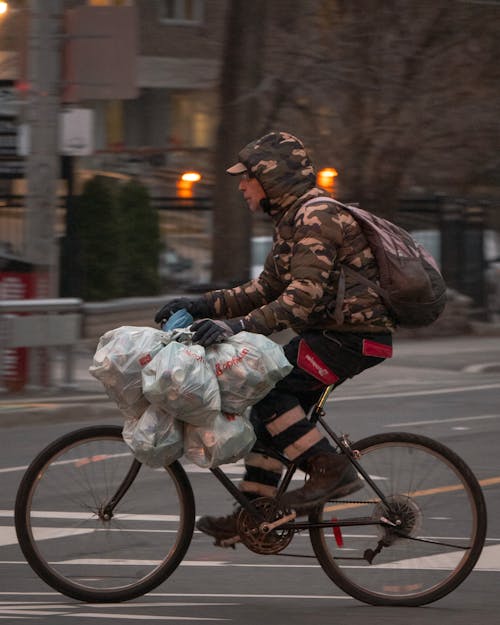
75, 544
422, 542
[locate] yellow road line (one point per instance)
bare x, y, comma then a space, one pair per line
490, 481
27, 406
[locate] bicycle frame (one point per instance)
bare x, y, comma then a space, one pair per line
317, 416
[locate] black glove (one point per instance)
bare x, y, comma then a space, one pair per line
197, 307
208, 331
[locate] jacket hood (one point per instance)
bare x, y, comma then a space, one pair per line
281, 164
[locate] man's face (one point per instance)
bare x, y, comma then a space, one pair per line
252, 192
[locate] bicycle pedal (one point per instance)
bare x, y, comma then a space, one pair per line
227, 542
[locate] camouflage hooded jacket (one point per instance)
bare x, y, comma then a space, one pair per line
299, 283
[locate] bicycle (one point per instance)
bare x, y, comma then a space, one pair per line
98, 526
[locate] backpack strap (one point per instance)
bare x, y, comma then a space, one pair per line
356, 275
369, 283
338, 315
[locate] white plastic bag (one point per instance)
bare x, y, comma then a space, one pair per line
156, 439
224, 439
120, 356
179, 381
247, 367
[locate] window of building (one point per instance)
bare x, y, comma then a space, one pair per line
182, 11
193, 123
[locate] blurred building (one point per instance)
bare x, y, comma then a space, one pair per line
147, 69
136, 84
171, 103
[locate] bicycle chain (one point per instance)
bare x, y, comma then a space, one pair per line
361, 503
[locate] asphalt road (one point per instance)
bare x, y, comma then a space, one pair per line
448, 389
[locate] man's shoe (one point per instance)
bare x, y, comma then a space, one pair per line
222, 528
331, 476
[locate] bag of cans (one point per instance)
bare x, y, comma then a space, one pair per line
247, 366
118, 361
179, 397
179, 381
222, 439
156, 438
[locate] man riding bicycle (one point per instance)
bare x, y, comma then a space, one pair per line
342, 326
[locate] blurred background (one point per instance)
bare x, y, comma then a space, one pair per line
119, 118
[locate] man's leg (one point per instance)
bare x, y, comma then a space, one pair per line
327, 358
299, 440
280, 419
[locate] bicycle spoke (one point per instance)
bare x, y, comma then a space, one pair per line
74, 546
434, 531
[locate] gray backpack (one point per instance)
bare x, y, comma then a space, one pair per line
411, 285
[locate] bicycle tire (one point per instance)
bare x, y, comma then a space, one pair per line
420, 566
93, 559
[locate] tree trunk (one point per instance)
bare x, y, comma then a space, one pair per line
239, 120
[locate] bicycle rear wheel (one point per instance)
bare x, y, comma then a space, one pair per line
70, 543
440, 516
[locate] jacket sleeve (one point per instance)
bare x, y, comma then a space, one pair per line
241, 300
316, 239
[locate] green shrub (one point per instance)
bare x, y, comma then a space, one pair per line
140, 240
112, 242
99, 233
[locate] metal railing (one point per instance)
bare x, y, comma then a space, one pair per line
34, 332
30, 330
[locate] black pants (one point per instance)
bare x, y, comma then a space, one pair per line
319, 358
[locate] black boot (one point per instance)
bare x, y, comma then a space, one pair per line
222, 528
331, 476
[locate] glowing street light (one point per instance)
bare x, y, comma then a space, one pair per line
4, 6
326, 178
186, 182
191, 176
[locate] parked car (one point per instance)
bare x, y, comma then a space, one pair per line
259, 249
173, 267
431, 240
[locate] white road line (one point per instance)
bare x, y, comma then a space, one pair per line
27, 611
73, 461
488, 561
20, 613
162, 604
435, 421
8, 534
14, 469
37, 594
439, 391
246, 596
462, 389
141, 617
233, 469
482, 367
205, 595
87, 516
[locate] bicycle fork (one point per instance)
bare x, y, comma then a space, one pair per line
107, 509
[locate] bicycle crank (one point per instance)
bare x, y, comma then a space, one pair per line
265, 537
